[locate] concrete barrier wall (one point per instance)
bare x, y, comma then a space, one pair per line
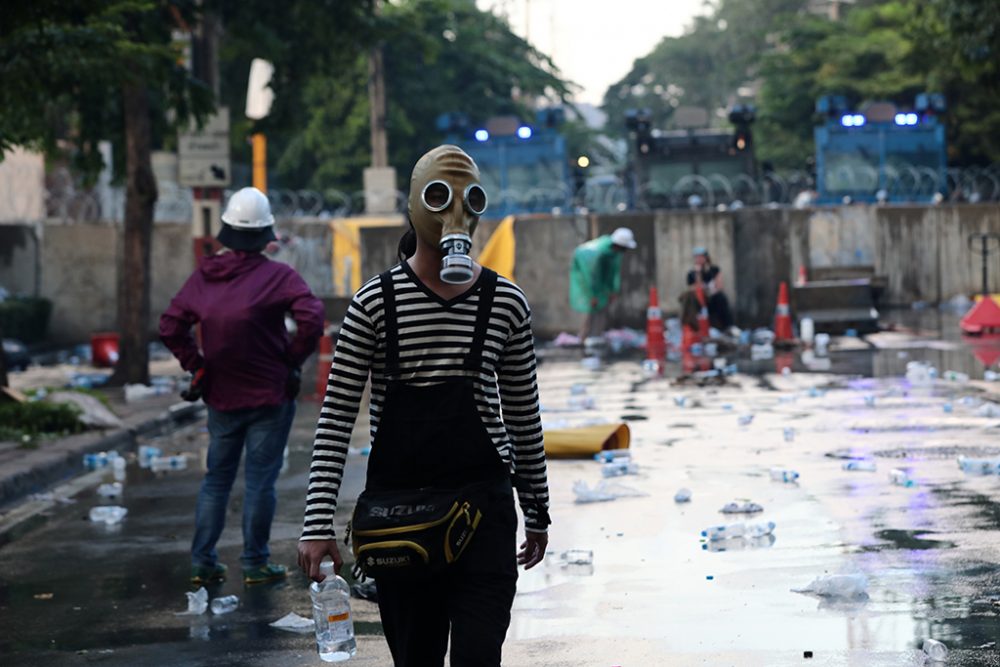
922, 252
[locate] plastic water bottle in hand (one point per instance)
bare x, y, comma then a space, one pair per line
331, 600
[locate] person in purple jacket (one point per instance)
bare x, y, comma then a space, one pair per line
247, 372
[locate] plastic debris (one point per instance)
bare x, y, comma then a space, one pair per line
744, 420
108, 514
935, 651
844, 586
761, 352
162, 463
789, 434
147, 453
729, 531
609, 455
112, 490
739, 543
870, 400
745, 507
990, 410
197, 603
581, 403
365, 590
225, 605
578, 389
682, 496
591, 363
979, 466
955, 376
948, 408
603, 491
565, 339
859, 465
920, 373
577, 557
901, 478
292, 622
821, 344
620, 468
786, 475
991, 376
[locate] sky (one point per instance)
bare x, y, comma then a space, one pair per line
594, 42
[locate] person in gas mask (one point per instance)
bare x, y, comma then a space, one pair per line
247, 371
448, 345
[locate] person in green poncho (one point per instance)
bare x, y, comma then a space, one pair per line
595, 278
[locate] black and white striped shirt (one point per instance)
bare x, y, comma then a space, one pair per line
434, 339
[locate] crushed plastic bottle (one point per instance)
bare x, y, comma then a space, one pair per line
147, 453
225, 605
870, 400
990, 410
197, 603
620, 468
744, 420
816, 392
859, 465
935, 651
789, 434
682, 401
901, 478
979, 466
162, 463
821, 344
846, 586
118, 469
682, 496
739, 543
108, 514
745, 507
97, 460
728, 531
331, 601
591, 363
609, 455
577, 557
786, 475
651, 368
112, 490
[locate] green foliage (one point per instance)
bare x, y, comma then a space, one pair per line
63, 65
25, 422
25, 318
439, 55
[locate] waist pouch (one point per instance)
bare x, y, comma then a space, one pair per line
411, 534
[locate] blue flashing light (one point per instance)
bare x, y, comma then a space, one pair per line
906, 119
482, 135
911, 119
852, 120
524, 132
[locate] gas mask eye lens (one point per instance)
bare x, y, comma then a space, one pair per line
436, 196
475, 199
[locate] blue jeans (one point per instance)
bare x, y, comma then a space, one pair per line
264, 434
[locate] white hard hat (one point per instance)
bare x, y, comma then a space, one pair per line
623, 237
248, 209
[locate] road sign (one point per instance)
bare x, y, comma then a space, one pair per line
203, 155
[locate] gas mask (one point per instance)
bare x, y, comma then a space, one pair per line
446, 201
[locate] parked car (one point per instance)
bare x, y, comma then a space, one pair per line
15, 354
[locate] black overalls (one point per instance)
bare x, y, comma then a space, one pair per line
433, 436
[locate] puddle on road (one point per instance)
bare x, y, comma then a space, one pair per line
634, 418
915, 540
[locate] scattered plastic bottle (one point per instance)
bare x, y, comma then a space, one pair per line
845, 586
591, 363
935, 651
821, 344
112, 490
727, 531
609, 455
786, 475
147, 453
979, 466
789, 434
225, 605
577, 557
619, 468
108, 514
331, 600
651, 368
578, 389
859, 465
682, 401
682, 496
161, 463
118, 469
95, 460
948, 408
991, 376
870, 400
955, 376
581, 403
745, 507
900, 478
744, 420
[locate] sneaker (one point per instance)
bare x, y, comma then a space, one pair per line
201, 575
264, 573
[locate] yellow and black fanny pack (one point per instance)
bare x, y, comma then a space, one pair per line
415, 533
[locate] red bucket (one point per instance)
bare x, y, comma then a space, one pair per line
104, 349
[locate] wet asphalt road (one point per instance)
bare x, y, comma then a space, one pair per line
930, 552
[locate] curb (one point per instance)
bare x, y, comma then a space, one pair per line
22, 517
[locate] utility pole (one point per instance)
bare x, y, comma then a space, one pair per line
379, 178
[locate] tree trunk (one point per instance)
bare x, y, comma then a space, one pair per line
134, 270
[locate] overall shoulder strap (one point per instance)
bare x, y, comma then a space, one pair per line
390, 325
487, 290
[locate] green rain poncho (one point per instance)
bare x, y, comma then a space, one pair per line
594, 274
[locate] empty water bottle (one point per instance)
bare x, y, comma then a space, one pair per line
948, 408
682, 401
979, 466
859, 465
727, 531
609, 455
651, 368
331, 600
95, 460
108, 514
744, 420
581, 403
786, 475
161, 463
900, 478
147, 453
112, 490
577, 557
991, 376
955, 376
619, 468
682, 496
789, 434
935, 650
225, 605
118, 468
870, 400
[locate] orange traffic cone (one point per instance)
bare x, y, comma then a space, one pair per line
703, 313
782, 316
655, 345
325, 358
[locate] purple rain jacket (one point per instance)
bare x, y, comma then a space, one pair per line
240, 300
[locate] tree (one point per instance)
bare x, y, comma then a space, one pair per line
76, 73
